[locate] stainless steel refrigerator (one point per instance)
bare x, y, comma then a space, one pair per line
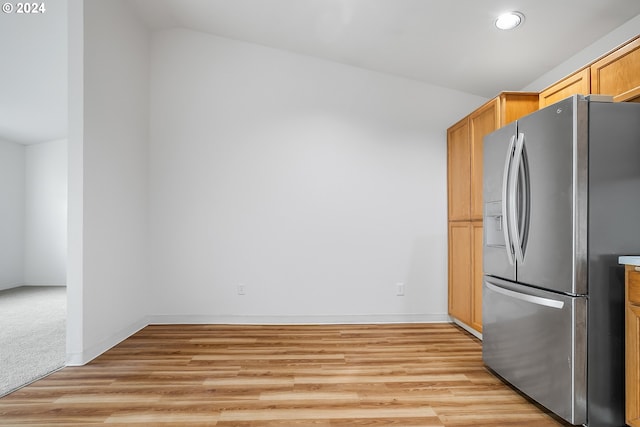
561, 202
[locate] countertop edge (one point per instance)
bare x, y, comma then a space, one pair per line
629, 260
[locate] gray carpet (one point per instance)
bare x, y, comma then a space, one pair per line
32, 334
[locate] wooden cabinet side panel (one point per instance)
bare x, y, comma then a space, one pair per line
459, 171
476, 309
577, 83
460, 271
618, 74
514, 105
632, 367
482, 122
632, 352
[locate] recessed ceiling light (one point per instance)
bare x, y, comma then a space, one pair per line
509, 20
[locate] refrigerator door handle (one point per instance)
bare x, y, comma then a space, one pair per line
547, 302
505, 201
513, 200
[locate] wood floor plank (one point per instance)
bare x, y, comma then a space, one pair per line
310, 414
404, 375
296, 395
161, 418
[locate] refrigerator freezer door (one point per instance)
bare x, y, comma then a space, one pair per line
537, 341
498, 257
555, 142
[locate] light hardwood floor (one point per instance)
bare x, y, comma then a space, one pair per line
330, 375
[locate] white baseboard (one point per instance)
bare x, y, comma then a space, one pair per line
297, 320
18, 285
45, 284
88, 354
8, 286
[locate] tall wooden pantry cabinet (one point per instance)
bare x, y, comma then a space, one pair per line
464, 177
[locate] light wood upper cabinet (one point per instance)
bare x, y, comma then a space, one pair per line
464, 145
459, 171
618, 74
482, 122
577, 83
632, 346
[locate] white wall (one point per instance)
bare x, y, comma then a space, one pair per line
315, 185
109, 98
33, 214
607, 43
12, 201
45, 230
33, 93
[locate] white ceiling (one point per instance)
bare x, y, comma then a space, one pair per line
449, 43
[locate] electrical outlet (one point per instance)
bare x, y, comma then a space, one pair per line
240, 289
400, 289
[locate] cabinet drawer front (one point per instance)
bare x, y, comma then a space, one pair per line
634, 287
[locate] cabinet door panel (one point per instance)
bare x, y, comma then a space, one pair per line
577, 83
476, 280
460, 292
458, 171
483, 121
618, 74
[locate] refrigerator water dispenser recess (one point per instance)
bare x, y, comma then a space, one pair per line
494, 223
